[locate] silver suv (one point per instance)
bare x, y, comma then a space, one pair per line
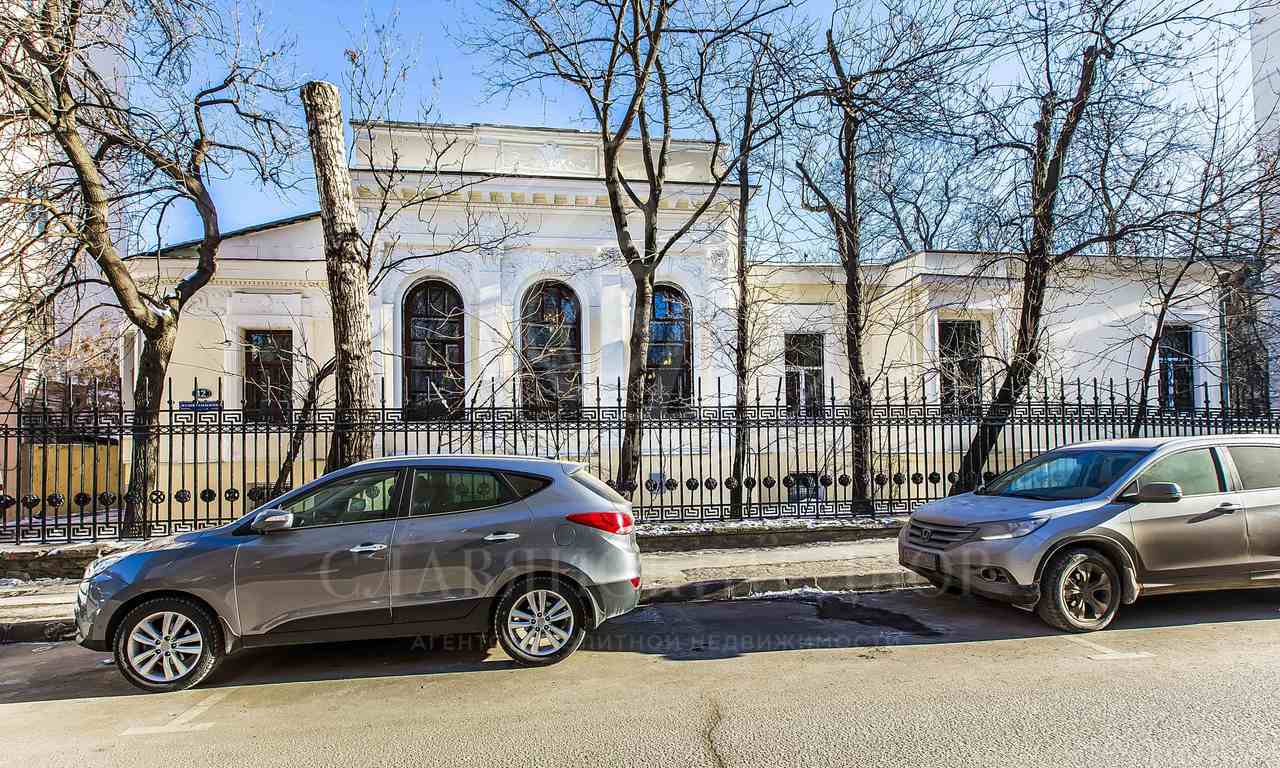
1075, 532
532, 552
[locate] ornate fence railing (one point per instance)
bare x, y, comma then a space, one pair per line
67, 469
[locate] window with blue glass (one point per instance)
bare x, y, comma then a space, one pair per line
669, 366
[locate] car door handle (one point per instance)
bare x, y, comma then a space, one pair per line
370, 547
501, 536
1227, 508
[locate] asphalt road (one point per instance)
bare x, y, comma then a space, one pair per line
902, 679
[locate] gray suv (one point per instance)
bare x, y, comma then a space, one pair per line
532, 552
1076, 532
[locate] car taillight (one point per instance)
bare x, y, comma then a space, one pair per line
609, 522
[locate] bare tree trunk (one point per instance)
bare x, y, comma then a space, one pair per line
1026, 356
145, 461
1148, 368
742, 330
348, 276
285, 474
633, 419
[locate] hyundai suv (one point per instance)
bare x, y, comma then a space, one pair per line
532, 552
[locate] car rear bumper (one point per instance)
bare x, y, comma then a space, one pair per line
615, 599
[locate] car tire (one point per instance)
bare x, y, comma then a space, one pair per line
540, 621
167, 644
1080, 591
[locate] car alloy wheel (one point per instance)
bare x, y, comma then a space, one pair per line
540, 623
1087, 592
1080, 591
167, 644
164, 647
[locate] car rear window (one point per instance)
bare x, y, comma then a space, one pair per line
597, 486
526, 485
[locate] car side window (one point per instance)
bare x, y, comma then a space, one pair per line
445, 491
361, 498
1195, 471
526, 485
1257, 465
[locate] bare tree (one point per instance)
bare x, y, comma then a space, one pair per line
126, 131
637, 63
1218, 180
1095, 85
388, 172
883, 77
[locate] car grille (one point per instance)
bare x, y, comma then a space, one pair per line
935, 536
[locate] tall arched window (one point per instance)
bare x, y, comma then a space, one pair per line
551, 350
669, 374
434, 351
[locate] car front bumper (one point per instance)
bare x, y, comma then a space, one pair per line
999, 570
91, 619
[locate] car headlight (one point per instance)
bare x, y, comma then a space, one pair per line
1009, 529
102, 564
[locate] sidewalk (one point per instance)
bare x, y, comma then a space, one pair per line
41, 611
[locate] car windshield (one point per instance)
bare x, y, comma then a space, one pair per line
1064, 475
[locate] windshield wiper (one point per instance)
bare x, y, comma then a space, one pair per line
1035, 496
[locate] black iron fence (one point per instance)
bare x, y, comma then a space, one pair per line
67, 467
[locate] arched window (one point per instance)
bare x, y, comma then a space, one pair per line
551, 350
669, 374
434, 351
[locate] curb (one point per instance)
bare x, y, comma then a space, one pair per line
729, 589
762, 539
38, 631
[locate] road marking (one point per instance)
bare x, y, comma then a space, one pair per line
182, 723
1107, 654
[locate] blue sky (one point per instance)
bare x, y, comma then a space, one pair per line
324, 29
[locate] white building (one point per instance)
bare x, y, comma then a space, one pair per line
479, 329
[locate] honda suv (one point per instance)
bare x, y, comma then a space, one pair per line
532, 552
1076, 532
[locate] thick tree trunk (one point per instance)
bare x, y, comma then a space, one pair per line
1026, 356
144, 465
859, 391
637, 381
348, 276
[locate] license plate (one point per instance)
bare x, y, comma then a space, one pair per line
918, 559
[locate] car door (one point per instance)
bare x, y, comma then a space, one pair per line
329, 570
1200, 539
1257, 473
465, 528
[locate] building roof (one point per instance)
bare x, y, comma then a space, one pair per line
249, 230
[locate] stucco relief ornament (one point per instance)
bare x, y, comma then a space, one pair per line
553, 157
719, 258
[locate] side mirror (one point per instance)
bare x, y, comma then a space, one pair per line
1159, 493
272, 520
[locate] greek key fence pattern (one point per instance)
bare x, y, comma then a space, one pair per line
67, 469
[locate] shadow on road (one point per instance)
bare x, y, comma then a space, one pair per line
676, 631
